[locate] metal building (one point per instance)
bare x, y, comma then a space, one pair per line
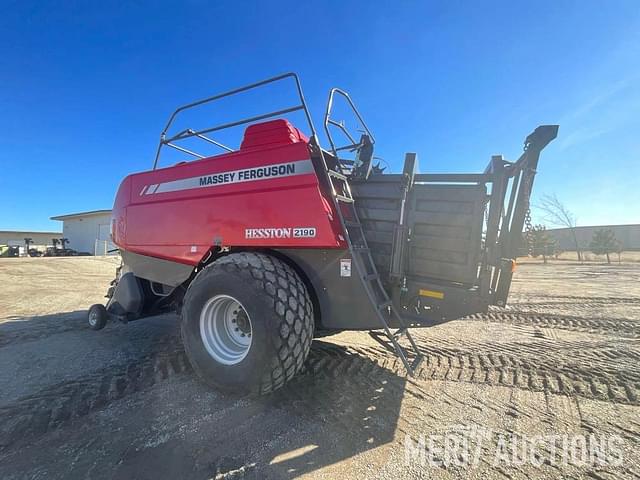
628, 235
88, 231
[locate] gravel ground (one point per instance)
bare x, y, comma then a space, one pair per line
558, 365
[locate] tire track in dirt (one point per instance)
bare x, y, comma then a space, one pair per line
356, 377
600, 308
584, 366
58, 404
618, 312
55, 406
497, 368
621, 327
576, 300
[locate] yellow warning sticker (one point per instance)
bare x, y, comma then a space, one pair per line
431, 293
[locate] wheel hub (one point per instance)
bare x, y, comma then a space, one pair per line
225, 329
242, 322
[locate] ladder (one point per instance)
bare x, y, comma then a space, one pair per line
368, 274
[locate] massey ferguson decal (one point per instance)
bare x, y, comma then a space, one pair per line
267, 172
284, 232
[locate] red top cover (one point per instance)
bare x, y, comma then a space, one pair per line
274, 132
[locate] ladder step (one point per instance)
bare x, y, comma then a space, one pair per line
359, 248
338, 175
400, 332
383, 340
416, 363
344, 199
370, 277
393, 346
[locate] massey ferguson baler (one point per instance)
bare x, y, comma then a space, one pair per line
263, 247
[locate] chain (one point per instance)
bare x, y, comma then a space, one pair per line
529, 231
527, 216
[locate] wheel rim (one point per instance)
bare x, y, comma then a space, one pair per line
225, 329
93, 318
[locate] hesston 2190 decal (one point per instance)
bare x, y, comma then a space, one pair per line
283, 232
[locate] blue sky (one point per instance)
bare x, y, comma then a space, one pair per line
86, 87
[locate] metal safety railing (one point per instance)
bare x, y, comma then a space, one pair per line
202, 134
330, 122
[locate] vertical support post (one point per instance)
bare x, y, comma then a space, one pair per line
401, 232
525, 171
514, 237
491, 258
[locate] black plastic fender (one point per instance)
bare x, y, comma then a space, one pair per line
128, 297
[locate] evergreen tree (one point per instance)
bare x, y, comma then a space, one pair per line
603, 243
543, 244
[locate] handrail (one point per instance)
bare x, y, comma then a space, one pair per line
199, 134
329, 121
210, 140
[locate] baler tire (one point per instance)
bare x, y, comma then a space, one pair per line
97, 317
280, 313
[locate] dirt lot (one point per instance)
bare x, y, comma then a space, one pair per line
562, 359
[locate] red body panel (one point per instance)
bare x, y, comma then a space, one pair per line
266, 194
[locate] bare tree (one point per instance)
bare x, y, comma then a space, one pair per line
556, 213
619, 249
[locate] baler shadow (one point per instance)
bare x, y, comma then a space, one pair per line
15, 329
342, 404
347, 404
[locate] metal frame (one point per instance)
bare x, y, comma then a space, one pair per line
522, 172
329, 121
503, 231
508, 204
188, 133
